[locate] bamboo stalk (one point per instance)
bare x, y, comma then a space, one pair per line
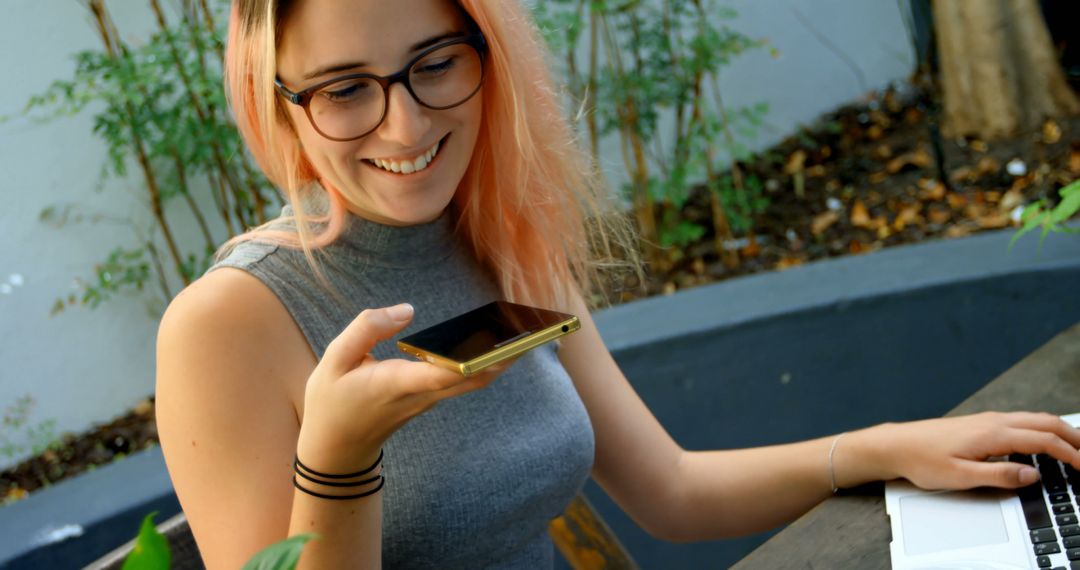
221, 199
112, 44
721, 223
208, 16
642, 200
155, 258
196, 103
594, 136
182, 181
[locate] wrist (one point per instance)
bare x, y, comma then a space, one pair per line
326, 455
862, 457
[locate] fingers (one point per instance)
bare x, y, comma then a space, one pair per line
997, 474
361, 335
1033, 442
1047, 423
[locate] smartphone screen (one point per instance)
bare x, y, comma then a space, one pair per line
491, 333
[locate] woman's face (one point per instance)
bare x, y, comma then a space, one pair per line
379, 35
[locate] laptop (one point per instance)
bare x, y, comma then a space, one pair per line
989, 529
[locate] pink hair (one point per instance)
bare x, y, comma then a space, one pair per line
527, 195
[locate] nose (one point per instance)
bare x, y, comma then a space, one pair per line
406, 121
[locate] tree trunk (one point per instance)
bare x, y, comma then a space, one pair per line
999, 71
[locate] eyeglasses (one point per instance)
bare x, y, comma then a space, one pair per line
351, 106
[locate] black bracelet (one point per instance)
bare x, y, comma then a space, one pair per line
340, 497
296, 463
333, 484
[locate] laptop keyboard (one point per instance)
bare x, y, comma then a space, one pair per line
1050, 508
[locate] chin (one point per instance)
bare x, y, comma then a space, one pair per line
405, 215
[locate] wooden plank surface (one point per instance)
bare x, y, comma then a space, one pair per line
853, 532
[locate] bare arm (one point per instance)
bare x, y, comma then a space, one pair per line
229, 432
684, 496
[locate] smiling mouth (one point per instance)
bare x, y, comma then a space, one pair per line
406, 167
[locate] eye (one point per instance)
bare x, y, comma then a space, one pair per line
347, 91
433, 68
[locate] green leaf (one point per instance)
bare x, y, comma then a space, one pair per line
151, 550
280, 555
1031, 218
1067, 207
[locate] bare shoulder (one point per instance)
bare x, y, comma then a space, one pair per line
230, 363
233, 300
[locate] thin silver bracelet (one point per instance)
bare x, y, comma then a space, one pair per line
832, 471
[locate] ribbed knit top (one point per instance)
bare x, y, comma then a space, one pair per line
473, 482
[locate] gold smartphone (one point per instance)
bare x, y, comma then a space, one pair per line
470, 342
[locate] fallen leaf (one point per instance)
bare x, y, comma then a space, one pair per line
1074, 160
883, 230
815, 171
752, 248
974, 210
860, 217
978, 146
918, 158
957, 231
823, 221
908, 215
1051, 132
669, 288
987, 165
931, 189
788, 261
1011, 199
144, 408
856, 247
939, 215
992, 196
964, 173
15, 494
878, 177
993, 221
875, 132
795, 162
698, 266
1021, 182
882, 151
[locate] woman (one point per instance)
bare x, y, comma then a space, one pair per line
425, 159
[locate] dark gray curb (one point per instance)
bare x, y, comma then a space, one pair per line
829, 282
76, 521
80, 519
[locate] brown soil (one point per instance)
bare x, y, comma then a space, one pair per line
868, 181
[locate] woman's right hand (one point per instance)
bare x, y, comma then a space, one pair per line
353, 402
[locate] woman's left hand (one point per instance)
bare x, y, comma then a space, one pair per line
951, 453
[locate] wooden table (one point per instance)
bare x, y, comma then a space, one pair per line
853, 532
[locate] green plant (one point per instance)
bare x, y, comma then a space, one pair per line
661, 59
1039, 213
40, 437
160, 106
151, 551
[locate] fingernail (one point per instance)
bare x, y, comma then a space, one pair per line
1028, 475
400, 312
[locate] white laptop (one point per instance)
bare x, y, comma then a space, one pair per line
988, 529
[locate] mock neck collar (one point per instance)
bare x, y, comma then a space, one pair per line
374, 243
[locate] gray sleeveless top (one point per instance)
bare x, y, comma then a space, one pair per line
473, 482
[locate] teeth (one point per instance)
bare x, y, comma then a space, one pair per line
408, 166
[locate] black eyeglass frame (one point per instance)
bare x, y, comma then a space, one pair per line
303, 97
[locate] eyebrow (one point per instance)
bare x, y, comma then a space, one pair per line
351, 65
